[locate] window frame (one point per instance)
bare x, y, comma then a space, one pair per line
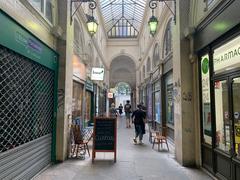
39, 11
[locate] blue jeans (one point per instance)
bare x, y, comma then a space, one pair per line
138, 131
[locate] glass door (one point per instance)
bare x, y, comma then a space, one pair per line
227, 115
222, 116
227, 126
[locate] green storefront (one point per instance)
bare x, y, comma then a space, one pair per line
28, 101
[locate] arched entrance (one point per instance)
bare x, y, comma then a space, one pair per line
123, 69
122, 93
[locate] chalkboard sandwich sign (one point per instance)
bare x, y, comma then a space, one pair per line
104, 136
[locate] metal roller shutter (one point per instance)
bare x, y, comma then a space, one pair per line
27, 106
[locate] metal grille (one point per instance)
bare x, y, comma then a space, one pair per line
26, 100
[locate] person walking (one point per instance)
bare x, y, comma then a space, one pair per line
113, 111
138, 117
127, 110
120, 108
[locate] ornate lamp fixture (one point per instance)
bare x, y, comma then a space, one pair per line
92, 24
153, 21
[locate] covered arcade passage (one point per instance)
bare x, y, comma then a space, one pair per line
60, 61
123, 69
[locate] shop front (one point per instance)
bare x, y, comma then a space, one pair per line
28, 100
220, 107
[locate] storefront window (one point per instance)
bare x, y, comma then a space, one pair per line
157, 102
44, 6
169, 99
77, 103
222, 116
206, 100
88, 108
236, 111
144, 95
149, 102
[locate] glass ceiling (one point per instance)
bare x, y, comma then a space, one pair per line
123, 18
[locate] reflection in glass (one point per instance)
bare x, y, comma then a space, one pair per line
236, 111
222, 116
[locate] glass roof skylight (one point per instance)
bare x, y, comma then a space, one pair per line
122, 18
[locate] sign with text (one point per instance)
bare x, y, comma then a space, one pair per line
110, 95
97, 74
227, 56
104, 136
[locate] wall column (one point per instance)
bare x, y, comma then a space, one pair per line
183, 89
64, 48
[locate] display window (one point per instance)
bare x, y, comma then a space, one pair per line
222, 116
88, 108
169, 99
149, 102
157, 101
206, 100
77, 100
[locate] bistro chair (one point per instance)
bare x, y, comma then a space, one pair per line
80, 144
160, 137
151, 131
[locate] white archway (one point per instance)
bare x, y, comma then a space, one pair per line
123, 69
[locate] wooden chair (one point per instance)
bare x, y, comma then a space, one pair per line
151, 131
160, 138
80, 144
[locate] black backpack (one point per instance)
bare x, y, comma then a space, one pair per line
127, 108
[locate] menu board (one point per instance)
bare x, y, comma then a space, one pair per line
104, 136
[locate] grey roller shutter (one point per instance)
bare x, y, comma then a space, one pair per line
26, 103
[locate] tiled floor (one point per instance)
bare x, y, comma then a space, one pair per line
134, 162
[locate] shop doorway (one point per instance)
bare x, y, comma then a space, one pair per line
227, 125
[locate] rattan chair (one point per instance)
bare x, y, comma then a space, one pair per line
80, 144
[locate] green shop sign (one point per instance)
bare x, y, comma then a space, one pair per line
205, 65
18, 39
89, 85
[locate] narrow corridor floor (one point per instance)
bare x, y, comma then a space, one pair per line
134, 162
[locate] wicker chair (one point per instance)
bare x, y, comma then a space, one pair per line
80, 144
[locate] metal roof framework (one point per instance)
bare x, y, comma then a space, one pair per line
123, 18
